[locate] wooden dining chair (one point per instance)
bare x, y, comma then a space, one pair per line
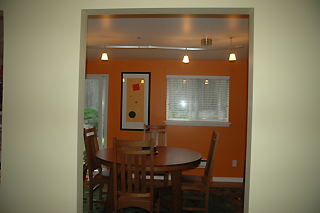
159, 135
133, 190
97, 177
157, 132
201, 183
93, 131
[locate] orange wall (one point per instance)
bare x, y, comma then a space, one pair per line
232, 139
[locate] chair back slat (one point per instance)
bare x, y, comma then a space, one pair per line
92, 131
143, 174
130, 157
211, 157
123, 170
157, 132
91, 146
136, 174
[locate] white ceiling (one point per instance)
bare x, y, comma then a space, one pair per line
180, 31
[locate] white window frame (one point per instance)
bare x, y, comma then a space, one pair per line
197, 123
103, 85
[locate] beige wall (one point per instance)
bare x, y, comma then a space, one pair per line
43, 96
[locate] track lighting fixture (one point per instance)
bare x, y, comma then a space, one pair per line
206, 43
232, 56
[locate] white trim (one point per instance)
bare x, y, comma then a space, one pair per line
202, 164
227, 179
197, 123
197, 77
103, 85
96, 76
100, 123
106, 92
215, 179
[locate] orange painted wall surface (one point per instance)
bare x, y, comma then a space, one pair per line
232, 141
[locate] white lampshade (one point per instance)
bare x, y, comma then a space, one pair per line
185, 59
232, 57
104, 56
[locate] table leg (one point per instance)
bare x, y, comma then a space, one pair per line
109, 205
176, 190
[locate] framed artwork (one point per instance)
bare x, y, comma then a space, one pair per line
135, 100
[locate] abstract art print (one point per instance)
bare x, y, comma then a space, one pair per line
135, 100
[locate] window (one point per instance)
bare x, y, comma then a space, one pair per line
198, 100
96, 105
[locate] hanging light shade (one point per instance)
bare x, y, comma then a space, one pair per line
104, 56
232, 56
185, 58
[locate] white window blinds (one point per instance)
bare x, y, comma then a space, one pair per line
198, 98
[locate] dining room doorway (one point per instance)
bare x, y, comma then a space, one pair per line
96, 105
249, 12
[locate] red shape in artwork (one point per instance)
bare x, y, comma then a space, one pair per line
135, 87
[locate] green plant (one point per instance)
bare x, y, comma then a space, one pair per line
91, 115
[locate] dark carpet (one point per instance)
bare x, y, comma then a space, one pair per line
222, 200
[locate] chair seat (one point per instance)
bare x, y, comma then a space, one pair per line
140, 202
105, 173
134, 200
192, 180
125, 202
102, 176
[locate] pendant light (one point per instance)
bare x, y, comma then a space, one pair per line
104, 56
232, 56
185, 58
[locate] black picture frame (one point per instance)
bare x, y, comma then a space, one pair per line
135, 100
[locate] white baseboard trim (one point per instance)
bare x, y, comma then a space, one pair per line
227, 179
202, 164
214, 179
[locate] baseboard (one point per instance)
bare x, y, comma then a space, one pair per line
220, 179
227, 179
214, 179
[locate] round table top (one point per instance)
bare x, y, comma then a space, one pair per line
167, 159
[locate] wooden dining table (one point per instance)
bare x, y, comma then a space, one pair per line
172, 159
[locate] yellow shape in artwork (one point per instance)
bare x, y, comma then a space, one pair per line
135, 100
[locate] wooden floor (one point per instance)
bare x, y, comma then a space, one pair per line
227, 184
213, 184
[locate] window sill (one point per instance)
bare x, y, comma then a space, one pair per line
197, 123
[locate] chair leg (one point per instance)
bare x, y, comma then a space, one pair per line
158, 205
90, 197
100, 191
166, 179
207, 201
